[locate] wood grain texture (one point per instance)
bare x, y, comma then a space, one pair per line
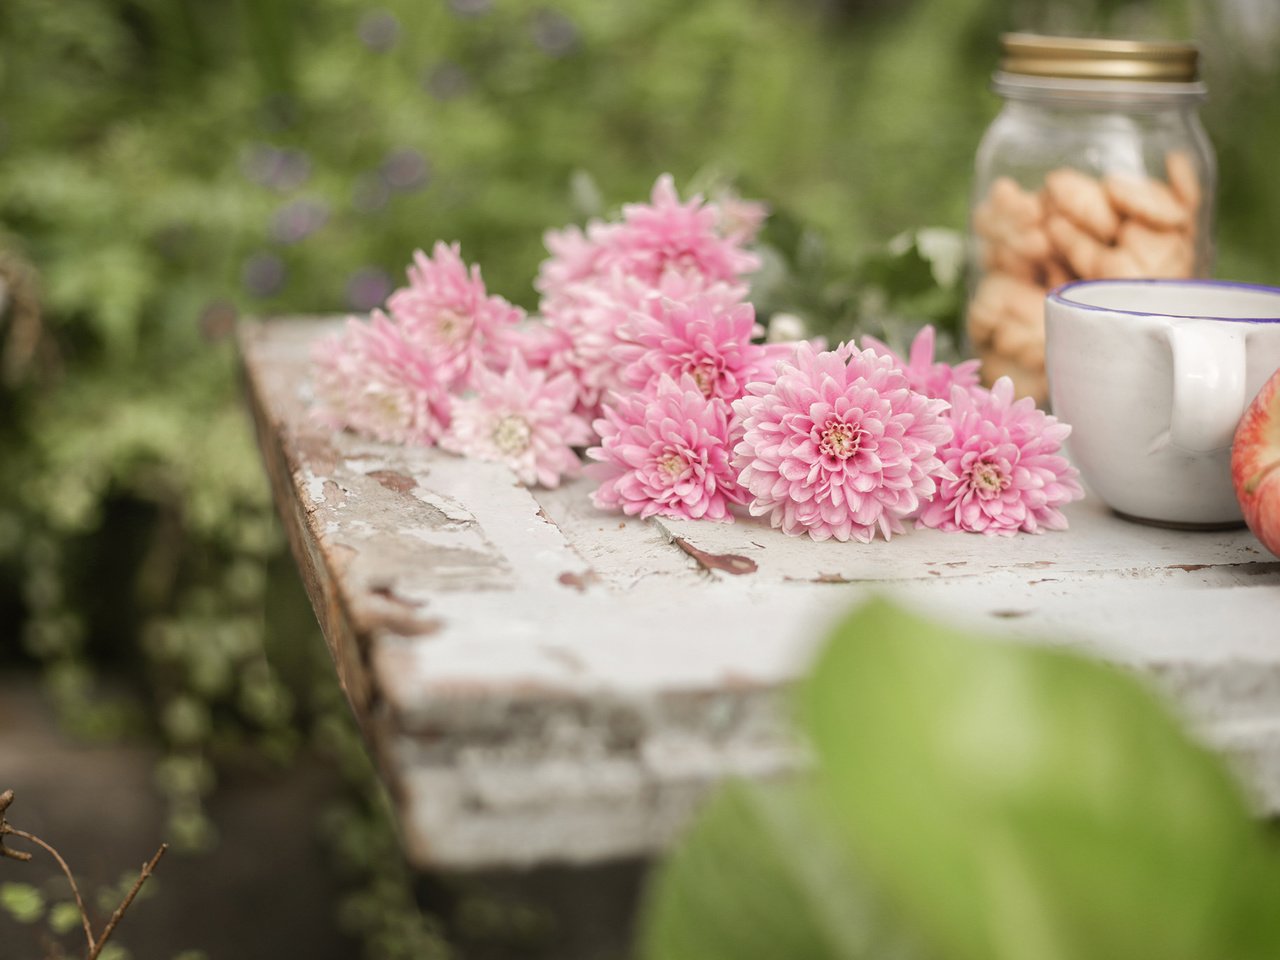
543, 682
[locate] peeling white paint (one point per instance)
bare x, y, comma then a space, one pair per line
315, 489
365, 465
447, 505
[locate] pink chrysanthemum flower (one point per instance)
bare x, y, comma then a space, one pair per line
591, 320
522, 418
738, 219
706, 337
370, 379
575, 256
654, 240
448, 313
665, 452
666, 235
839, 446
536, 342
1006, 472
925, 376
586, 319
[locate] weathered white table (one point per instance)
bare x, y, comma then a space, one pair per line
543, 682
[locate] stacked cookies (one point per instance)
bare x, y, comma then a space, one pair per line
1075, 226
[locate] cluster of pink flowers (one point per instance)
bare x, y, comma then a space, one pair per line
646, 352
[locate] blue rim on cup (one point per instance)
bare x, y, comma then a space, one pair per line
1153, 375
1057, 294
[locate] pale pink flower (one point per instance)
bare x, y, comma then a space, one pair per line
1006, 472
370, 379
839, 445
447, 312
575, 256
536, 342
737, 219
586, 319
595, 279
705, 337
591, 320
925, 376
654, 240
666, 235
666, 452
523, 418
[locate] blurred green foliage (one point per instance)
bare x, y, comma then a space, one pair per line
974, 800
168, 165
22, 901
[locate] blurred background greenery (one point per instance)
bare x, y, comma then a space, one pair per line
167, 166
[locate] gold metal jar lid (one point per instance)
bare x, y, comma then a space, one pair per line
1085, 58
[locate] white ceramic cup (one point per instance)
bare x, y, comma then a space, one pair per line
1153, 376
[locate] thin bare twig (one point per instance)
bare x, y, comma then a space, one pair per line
5, 828
6, 799
147, 869
94, 946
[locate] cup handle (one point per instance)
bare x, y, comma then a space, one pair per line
1208, 384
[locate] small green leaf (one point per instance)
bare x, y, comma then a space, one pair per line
585, 194
1025, 803
64, 917
759, 877
22, 901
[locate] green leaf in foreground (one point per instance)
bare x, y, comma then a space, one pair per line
1025, 803
22, 901
758, 877
64, 917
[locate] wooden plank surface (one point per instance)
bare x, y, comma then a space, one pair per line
544, 682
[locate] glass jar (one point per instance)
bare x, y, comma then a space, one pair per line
1097, 166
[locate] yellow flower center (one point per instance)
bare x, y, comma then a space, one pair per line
674, 466
840, 439
511, 435
988, 480
452, 326
704, 374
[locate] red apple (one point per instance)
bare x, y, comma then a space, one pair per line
1255, 464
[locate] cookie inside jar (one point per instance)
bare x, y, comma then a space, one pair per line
1096, 168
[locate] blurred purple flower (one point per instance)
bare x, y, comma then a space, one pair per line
279, 169
471, 8
298, 219
367, 288
379, 30
263, 274
446, 81
554, 33
369, 193
405, 169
